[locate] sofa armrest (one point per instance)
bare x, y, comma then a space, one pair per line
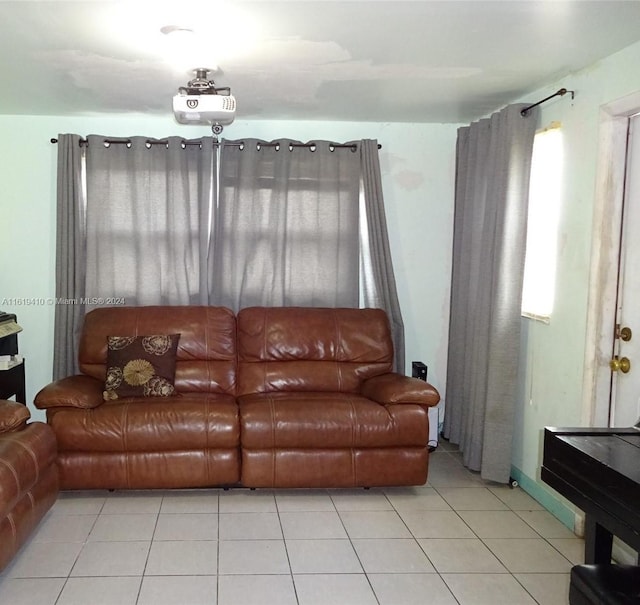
395, 388
13, 416
74, 391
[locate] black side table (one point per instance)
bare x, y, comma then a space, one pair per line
12, 383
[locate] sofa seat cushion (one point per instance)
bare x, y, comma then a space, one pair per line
24, 457
194, 421
328, 420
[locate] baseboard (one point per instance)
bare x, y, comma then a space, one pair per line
565, 514
623, 553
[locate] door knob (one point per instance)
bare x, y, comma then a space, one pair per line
621, 364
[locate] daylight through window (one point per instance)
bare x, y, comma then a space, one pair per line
542, 228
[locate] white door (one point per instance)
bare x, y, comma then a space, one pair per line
625, 384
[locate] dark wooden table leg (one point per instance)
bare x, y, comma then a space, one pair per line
597, 542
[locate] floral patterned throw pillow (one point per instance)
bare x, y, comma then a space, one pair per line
141, 366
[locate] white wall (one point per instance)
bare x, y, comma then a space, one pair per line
551, 387
417, 162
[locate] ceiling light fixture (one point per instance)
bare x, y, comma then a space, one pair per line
183, 47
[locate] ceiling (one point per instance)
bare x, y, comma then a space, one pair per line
381, 61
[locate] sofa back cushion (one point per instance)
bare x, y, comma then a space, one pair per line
206, 354
311, 349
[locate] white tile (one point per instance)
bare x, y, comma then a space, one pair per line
550, 589
436, 524
322, 556
237, 534
256, 590
111, 559
360, 500
132, 503
304, 500
182, 558
100, 591
120, 528
187, 526
521, 556
196, 501
571, 548
253, 557
250, 526
392, 556
345, 589
546, 524
445, 456
461, 556
452, 476
309, 525
411, 589
178, 590
471, 498
44, 560
410, 499
497, 524
30, 591
78, 503
64, 528
516, 498
247, 501
487, 589
374, 524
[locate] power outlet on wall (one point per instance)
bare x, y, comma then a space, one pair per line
419, 370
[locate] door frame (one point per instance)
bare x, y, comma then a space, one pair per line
605, 257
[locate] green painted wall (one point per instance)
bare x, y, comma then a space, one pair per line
417, 162
551, 381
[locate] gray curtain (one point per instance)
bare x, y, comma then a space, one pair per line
491, 199
148, 209
281, 229
286, 229
378, 279
70, 254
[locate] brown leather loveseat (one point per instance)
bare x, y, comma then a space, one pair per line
28, 476
275, 397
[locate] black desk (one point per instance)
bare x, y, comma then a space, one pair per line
12, 383
599, 471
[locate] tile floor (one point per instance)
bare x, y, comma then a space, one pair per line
456, 540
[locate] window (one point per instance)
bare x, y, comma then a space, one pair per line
542, 228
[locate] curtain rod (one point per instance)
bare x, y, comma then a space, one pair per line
558, 93
311, 145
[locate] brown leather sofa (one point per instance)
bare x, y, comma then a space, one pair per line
275, 397
28, 476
